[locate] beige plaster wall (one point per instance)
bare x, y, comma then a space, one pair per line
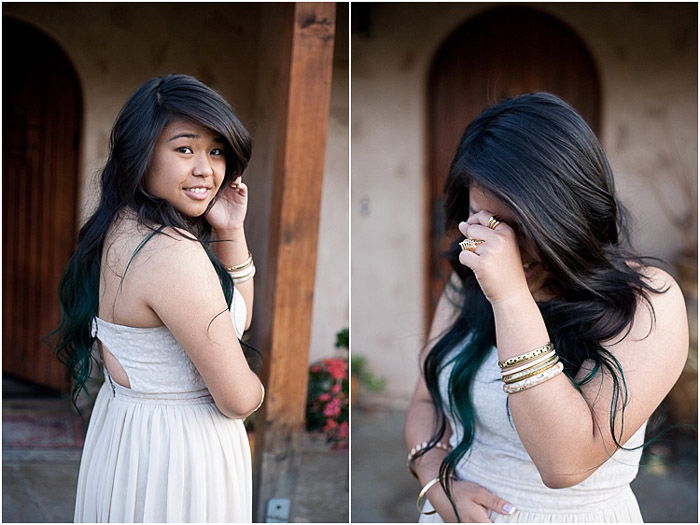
116, 47
647, 60
332, 305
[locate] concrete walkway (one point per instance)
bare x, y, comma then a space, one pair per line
39, 481
384, 491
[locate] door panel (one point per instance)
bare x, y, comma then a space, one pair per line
41, 103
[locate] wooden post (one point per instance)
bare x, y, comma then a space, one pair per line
304, 86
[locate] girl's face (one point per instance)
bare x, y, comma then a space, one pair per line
482, 199
187, 167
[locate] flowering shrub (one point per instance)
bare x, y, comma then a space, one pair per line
327, 404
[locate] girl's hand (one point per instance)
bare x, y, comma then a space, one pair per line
228, 212
496, 262
473, 503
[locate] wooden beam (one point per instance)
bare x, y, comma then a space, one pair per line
305, 87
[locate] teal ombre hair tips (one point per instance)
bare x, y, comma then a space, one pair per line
132, 141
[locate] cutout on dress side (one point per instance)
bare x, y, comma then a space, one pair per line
114, 367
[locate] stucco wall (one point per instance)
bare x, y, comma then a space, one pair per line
647, 59
332, 306
116, 47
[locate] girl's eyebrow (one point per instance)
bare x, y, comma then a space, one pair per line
218, 138
184, 135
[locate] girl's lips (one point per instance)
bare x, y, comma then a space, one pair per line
197, 193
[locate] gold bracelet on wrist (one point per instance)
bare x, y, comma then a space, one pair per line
529, 373
423, 493
528, 365
248, 262
526, 357
540, 378
243, 275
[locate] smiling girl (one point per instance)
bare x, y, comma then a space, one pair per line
551, 345
161, 284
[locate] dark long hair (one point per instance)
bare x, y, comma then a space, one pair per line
539, 157
134, 135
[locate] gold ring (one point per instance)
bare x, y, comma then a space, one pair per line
493, 222
470, 244
234, 185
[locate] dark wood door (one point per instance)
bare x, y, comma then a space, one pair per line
498, 54
41, 105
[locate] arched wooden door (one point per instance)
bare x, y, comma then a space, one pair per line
42, 105
498, 54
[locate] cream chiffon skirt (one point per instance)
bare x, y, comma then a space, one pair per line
163, 458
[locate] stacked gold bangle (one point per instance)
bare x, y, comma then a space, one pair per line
527, 356
243, 272
538, 365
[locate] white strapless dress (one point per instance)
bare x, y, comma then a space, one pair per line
161, 451
499, 462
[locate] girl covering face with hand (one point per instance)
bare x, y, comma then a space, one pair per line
552, 344
161, 285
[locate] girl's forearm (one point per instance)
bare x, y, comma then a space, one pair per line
232, 250
553, 419
420, 422
420, 425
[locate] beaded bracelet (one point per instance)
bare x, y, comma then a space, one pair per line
526, 357
534, 381
420, 446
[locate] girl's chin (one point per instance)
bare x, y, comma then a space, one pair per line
192, 212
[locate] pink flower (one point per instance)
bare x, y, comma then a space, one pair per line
336, 388
324, 397
332, 409
316, 369
343, 430
337, 368
330, 425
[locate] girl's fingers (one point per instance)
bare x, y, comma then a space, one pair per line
478, 231
493, 502
479, 515
469, 259
481, 217
467, 228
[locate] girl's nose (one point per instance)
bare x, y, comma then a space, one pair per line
202, 166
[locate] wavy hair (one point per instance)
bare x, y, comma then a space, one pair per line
539, 157
134, 135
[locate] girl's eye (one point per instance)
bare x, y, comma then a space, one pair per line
218, 152
184, 149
